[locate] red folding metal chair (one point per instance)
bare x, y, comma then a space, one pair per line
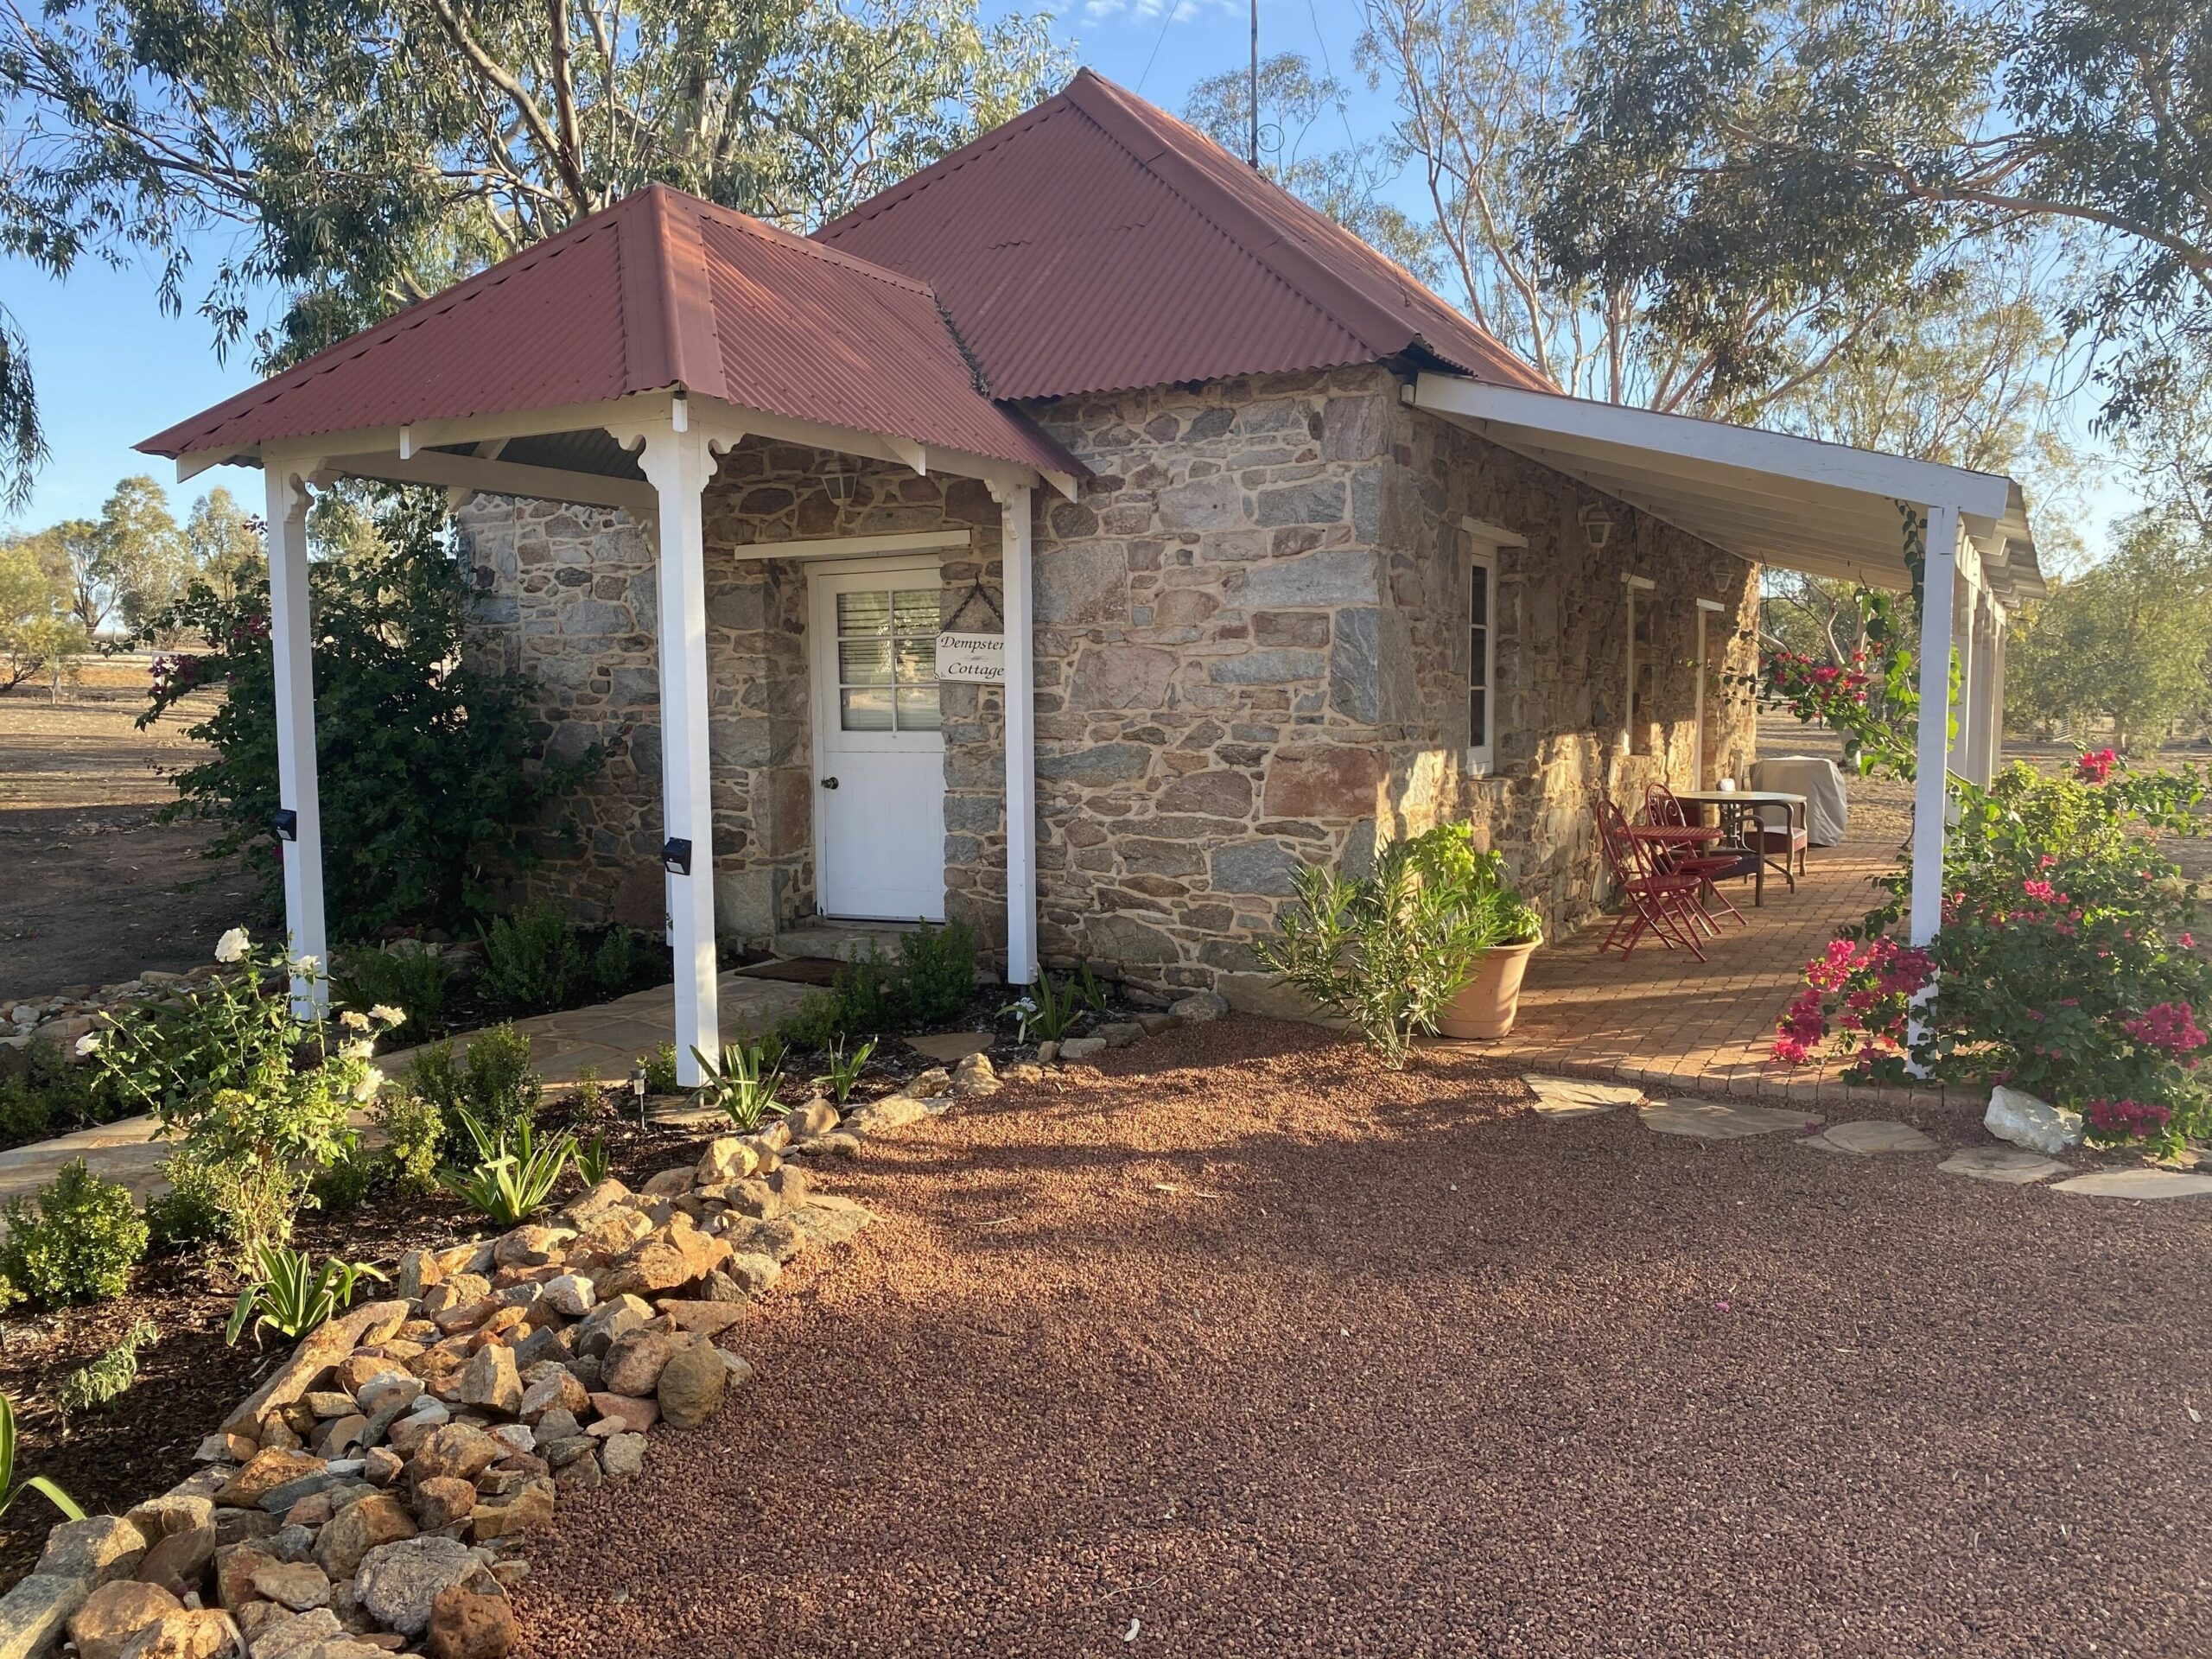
1709, 863
1651, 901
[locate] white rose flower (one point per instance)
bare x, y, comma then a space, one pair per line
389, 1015
353, 1020
360, 1049
307, 967
365, 1091
231, 946
89, 1043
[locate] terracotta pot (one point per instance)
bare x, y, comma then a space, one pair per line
1484, 1008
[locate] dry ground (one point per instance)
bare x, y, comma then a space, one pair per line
92, 889
1245, 1347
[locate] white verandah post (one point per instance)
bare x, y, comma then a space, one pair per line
1930, 793
1017, 546
291, 640
677, 464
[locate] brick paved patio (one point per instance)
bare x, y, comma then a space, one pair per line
1672, 1024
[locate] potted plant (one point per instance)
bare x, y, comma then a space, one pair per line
1484, 1008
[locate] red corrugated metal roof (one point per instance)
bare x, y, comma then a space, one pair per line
1096, 244
661, 290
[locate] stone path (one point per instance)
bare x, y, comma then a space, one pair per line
1558, 1099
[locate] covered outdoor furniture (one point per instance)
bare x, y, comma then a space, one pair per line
1819, 780
1652, 901
1708, 857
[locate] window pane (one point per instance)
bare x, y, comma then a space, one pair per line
1478, 719
917, 660
1478, 602
867, 612
1478, 657
864, 662
865, 710
917, 710
914, 610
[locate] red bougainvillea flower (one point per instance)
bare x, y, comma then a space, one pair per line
2095, 768
2170, 1026
2129, 1117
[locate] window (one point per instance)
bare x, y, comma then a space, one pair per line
1482, 661
887, 660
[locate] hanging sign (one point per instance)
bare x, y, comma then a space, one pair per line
971, 658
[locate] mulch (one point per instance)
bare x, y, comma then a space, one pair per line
1240, 1345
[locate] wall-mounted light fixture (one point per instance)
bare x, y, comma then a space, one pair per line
676, 856
286, 823
840, 485
1596, 525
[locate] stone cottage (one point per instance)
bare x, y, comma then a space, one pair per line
1072, 541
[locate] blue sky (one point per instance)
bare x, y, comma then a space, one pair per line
113, 369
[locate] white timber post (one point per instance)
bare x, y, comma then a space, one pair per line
1966, 633
1998, 627
291, 639
1930, 792
677, 463
1017, 549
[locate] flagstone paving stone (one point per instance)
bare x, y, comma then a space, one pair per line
1560, 1098
2009, 1165
1871, 1137
2137, 1184
951, 1045
1716, 1119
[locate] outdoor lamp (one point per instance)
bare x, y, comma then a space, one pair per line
287, 824
1598, 525
676, 856
638, 1092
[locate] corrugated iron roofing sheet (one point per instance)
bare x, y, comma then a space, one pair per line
1096, 244
659, 290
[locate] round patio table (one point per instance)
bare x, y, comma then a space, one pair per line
1731, 806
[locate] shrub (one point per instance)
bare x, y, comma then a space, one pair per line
75, 1241
865, 994
52, 1097
814, 1027
425, 753
414, 1131
660, 1070
936, 973
533, 962
1386, 950
624, 961
289, 1297
590, 1104
403, 975
195, 1211
343, 1185
495, 1083
2065, 965
109, 1377
514, 1175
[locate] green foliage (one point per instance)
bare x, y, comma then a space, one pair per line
75, 1240
108, 1377
814, 1027
515, 1172
744, 1084
494, 1084
10, 1488
196, 1209
624, 962
660, 1070
403, 974
1046, 1012
595, 1160
533, 962
936, 973
51, 1097
39, 635
343, 1185
426, 758
290, 1296
1384, 951
1088, 988
414, 1131
865, 994
843, 1069
2066, 965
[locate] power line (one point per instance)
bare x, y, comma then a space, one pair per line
1167, 15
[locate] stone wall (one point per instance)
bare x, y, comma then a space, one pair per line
1251, 652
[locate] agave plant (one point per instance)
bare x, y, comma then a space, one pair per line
1047, 1013
593, 1161
744, 1085
291, 1297
514, 1175
11, 1490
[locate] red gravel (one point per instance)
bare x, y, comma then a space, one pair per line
1246, 1347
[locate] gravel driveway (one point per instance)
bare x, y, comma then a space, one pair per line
1244, 1347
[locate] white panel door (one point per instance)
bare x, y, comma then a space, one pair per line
879, 779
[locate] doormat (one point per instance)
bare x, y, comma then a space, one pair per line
796, 970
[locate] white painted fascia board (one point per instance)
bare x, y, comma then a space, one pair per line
713, 415
1710, 605
477, 474
1775, 454
1642, 584
856, 547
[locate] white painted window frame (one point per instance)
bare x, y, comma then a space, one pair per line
1706, 610
1631, 584
1480, 544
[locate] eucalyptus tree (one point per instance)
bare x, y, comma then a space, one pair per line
357, 156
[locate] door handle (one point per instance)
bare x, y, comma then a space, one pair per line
829, 783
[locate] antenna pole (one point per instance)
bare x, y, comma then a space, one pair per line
1254, 87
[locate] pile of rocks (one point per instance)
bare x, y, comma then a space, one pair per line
1194, 1009
370, 1495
